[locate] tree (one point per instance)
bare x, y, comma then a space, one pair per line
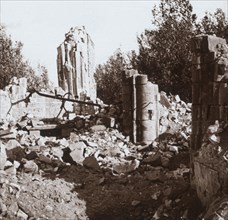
164, 52
40, 80
12, 63
109, 78
214, 24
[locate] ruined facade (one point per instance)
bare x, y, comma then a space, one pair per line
16, 101
209, 141
75, 64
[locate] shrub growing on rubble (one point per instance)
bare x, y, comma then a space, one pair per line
108, 77
12, 63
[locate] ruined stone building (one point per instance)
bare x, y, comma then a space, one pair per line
75, 64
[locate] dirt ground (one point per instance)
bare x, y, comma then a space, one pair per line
76, 192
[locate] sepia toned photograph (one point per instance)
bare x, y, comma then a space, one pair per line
114, 110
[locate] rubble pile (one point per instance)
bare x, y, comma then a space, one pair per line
95, 144
175, 124
214, 151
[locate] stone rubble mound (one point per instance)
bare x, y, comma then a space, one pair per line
96, 143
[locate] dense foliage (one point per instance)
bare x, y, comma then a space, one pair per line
13, 64
214, 24
164, 49
108, 77
164, 52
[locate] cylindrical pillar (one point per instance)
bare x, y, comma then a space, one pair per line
146, 110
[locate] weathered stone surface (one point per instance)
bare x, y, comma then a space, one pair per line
209, 108
75, 64
77, 145
32, 155
29, 166
218, 209
91, 162
45, 159
16, 153
11, 171
3, 156
11, 144
126, 166
207, 181
77, 152
164, 100
97, 128
22, 215
154, 160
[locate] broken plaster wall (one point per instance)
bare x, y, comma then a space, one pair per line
13, 102
76, 64
209, 140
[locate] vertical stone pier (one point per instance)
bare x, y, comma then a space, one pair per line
209, 140
76, 64
140, 107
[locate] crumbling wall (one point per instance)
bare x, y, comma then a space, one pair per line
209, 141
75, 64
15, 102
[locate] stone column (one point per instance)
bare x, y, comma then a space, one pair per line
140, 108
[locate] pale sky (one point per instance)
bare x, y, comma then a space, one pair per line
41, 25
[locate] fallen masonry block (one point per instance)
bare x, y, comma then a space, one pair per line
11, 144
91, 162
11, 170
77, 156
3, 156
6, 133
164, 100
29, 166
126, 166
177, 98
107, 121
77, 146
57, 152
45, 159
97, 128
154, 160
22, 215
77, 152
143, 147
50, 130
16, 153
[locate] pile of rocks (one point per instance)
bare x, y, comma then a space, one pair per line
96, 143
96, 137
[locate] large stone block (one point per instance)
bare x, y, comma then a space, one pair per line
207, 183
206, 43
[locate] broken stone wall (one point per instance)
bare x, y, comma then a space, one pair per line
209, 141
14, 102
76, 64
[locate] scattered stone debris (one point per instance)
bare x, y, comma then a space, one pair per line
97, 151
